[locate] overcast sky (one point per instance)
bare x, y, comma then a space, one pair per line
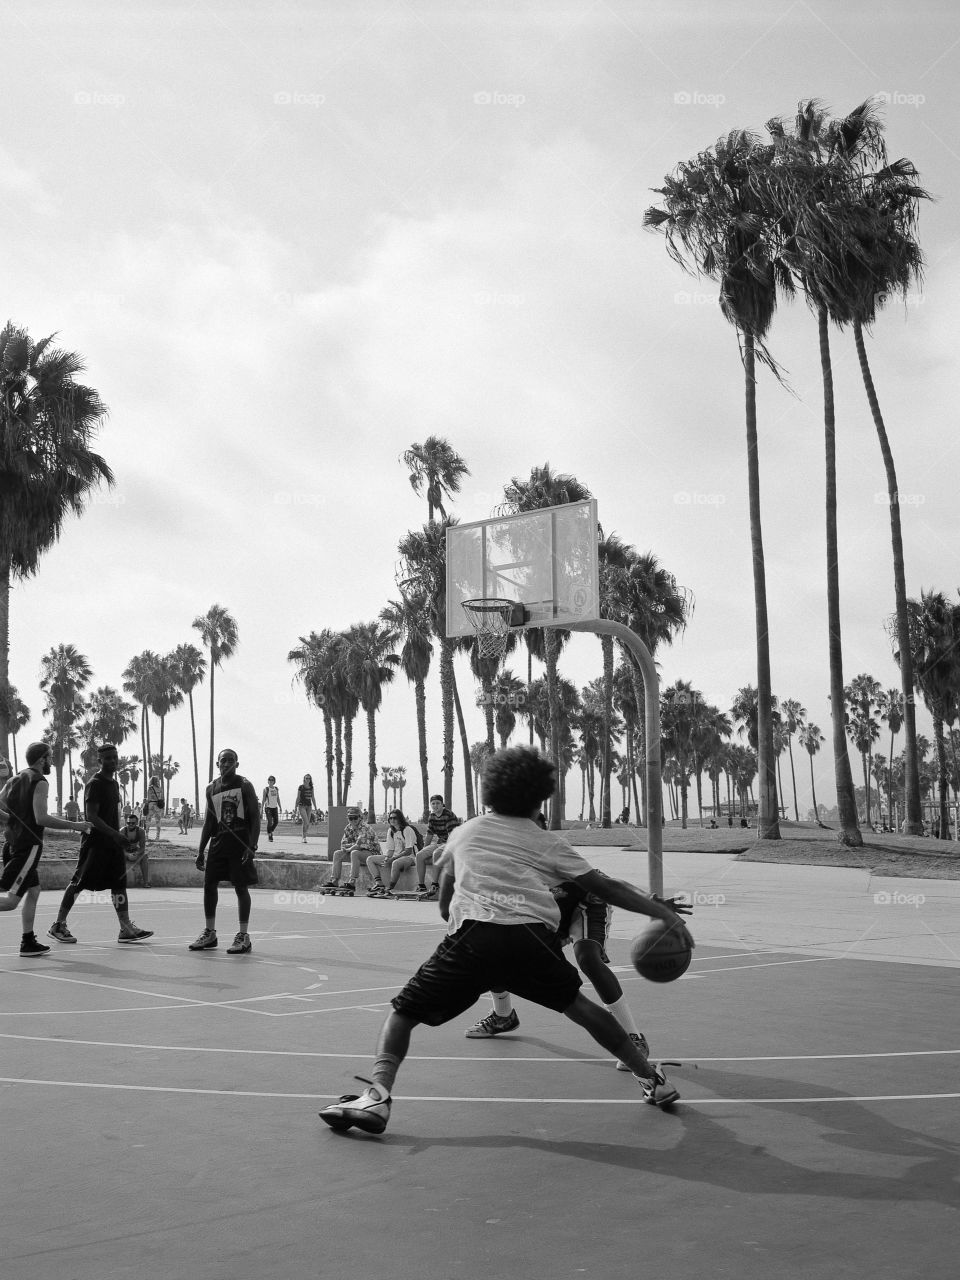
290, 240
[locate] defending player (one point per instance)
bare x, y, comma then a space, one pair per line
102, 864
23, 803
495, 892
231, 827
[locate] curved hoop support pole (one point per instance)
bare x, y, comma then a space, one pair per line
651, 720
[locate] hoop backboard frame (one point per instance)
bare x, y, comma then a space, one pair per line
546, 560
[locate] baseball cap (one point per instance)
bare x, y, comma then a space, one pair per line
353, 811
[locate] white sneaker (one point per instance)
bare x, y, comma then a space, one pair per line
370, 1112
656, 1090
640, 1040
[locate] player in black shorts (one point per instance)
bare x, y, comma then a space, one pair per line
231, 827
102, 864
23, 802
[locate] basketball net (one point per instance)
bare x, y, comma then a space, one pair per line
490, 619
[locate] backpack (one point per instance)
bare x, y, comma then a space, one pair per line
417, 835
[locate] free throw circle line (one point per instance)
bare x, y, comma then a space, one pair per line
433, 1098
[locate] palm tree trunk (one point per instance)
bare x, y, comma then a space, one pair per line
944, 822
471, 811
813, 791
846, 804
768, 826
212, 672
890, 784
793, 779
143, 747
338, 755
372, 740
164, 790
446, 702
553, 700
420, 695
5, 709
196, 767
606, 645
328, 754
914, 814
347, 755
529, 683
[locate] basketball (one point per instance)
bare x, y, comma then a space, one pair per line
660, 953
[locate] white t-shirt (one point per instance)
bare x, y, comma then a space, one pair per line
398, 842
271, 797
504, 869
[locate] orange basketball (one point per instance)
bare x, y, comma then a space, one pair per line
660, 953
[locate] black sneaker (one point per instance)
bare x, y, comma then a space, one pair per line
133, 933
29, 946
60, 931
241, 945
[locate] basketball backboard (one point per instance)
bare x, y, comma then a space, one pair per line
546, 560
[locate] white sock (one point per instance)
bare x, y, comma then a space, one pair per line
502, 1003
621, 1011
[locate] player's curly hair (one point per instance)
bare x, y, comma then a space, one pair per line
517, 780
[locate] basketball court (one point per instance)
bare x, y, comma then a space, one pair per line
161, 1104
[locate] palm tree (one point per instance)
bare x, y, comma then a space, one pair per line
935, 649
507, 694
409, 617
139, 680
436, 465
547, 488
861, 697
165, 694
681, 726
64, 674
423, 558
716, 221
18, 716
793, 715
478, 754
48, 423
218, 630
614, 561
892, 703
108, 717
188, 667
370, 665
811, 739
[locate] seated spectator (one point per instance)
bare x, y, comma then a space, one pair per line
399, 853
358, 841
135, 847
439, 825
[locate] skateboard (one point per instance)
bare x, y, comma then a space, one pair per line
415, 895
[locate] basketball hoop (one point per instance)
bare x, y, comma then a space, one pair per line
491, 619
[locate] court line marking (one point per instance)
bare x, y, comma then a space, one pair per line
411, 1057
574, 1102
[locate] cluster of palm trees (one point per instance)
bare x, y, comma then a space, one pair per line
814, 207
344, 671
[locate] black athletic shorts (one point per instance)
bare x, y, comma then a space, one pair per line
229, 866
100, 867
20, 870
523, 959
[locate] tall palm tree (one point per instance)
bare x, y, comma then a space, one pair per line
507, 694
189, 666
811, 739
478, 754
48, 423
793, 716
409, 617
436, 465
108, 717
165, 695
139, 680
716, 222
370, 665
318, 667
614, 560
547, 488
64, 674
218, 630
423, 561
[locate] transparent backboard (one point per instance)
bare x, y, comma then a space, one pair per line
546, 560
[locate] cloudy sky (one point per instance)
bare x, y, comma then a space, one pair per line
290, 240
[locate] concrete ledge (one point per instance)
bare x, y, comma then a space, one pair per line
171, 871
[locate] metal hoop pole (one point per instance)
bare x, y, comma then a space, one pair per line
651, 721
